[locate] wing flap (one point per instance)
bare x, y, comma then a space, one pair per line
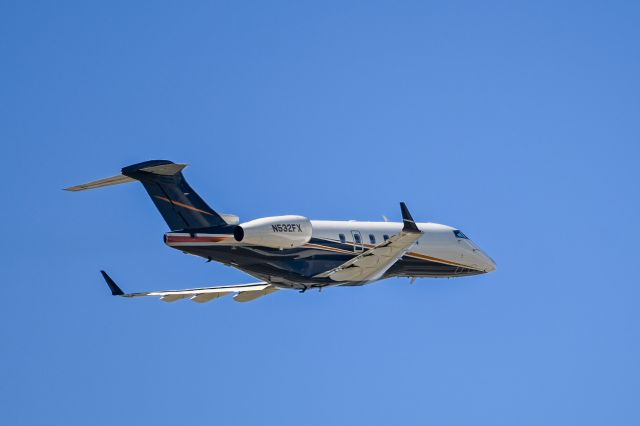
173, 297
208, 297
249, 296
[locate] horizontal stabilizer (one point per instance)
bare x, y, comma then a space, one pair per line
114, 180
160, 170
163, 169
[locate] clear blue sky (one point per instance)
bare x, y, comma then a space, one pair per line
517, 122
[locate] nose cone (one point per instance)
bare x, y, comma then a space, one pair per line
487, 264
490, 266
482, 260
477, 258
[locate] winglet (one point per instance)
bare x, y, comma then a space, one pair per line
115, 290
409, 224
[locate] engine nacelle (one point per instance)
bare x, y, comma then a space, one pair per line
275, 232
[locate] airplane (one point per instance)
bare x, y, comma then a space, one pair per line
292, 251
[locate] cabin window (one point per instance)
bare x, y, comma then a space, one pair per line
356, 239
372, 238
459, 234
342, 238
386, 237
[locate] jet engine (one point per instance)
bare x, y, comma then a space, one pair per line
275, 232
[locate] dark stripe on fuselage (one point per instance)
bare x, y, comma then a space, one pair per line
301, 264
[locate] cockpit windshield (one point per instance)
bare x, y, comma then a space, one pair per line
460, 234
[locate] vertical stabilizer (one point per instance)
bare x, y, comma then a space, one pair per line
180, 206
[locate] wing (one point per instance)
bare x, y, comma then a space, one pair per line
243, 292
373, 263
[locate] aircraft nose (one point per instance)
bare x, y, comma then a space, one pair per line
488, 264
484, 261
481, 260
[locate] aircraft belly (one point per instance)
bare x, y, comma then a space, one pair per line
291, 267
297, 267
408, 267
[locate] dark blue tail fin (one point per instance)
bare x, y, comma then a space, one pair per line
180, 206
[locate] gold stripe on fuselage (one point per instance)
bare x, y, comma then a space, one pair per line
410, 254
186, 206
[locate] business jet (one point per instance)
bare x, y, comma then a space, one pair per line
291, 251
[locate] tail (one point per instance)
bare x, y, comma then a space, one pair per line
180, 206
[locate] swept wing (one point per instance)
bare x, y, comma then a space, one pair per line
242, 292
373, 263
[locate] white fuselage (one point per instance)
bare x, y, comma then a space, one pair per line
280, 239
438, 243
